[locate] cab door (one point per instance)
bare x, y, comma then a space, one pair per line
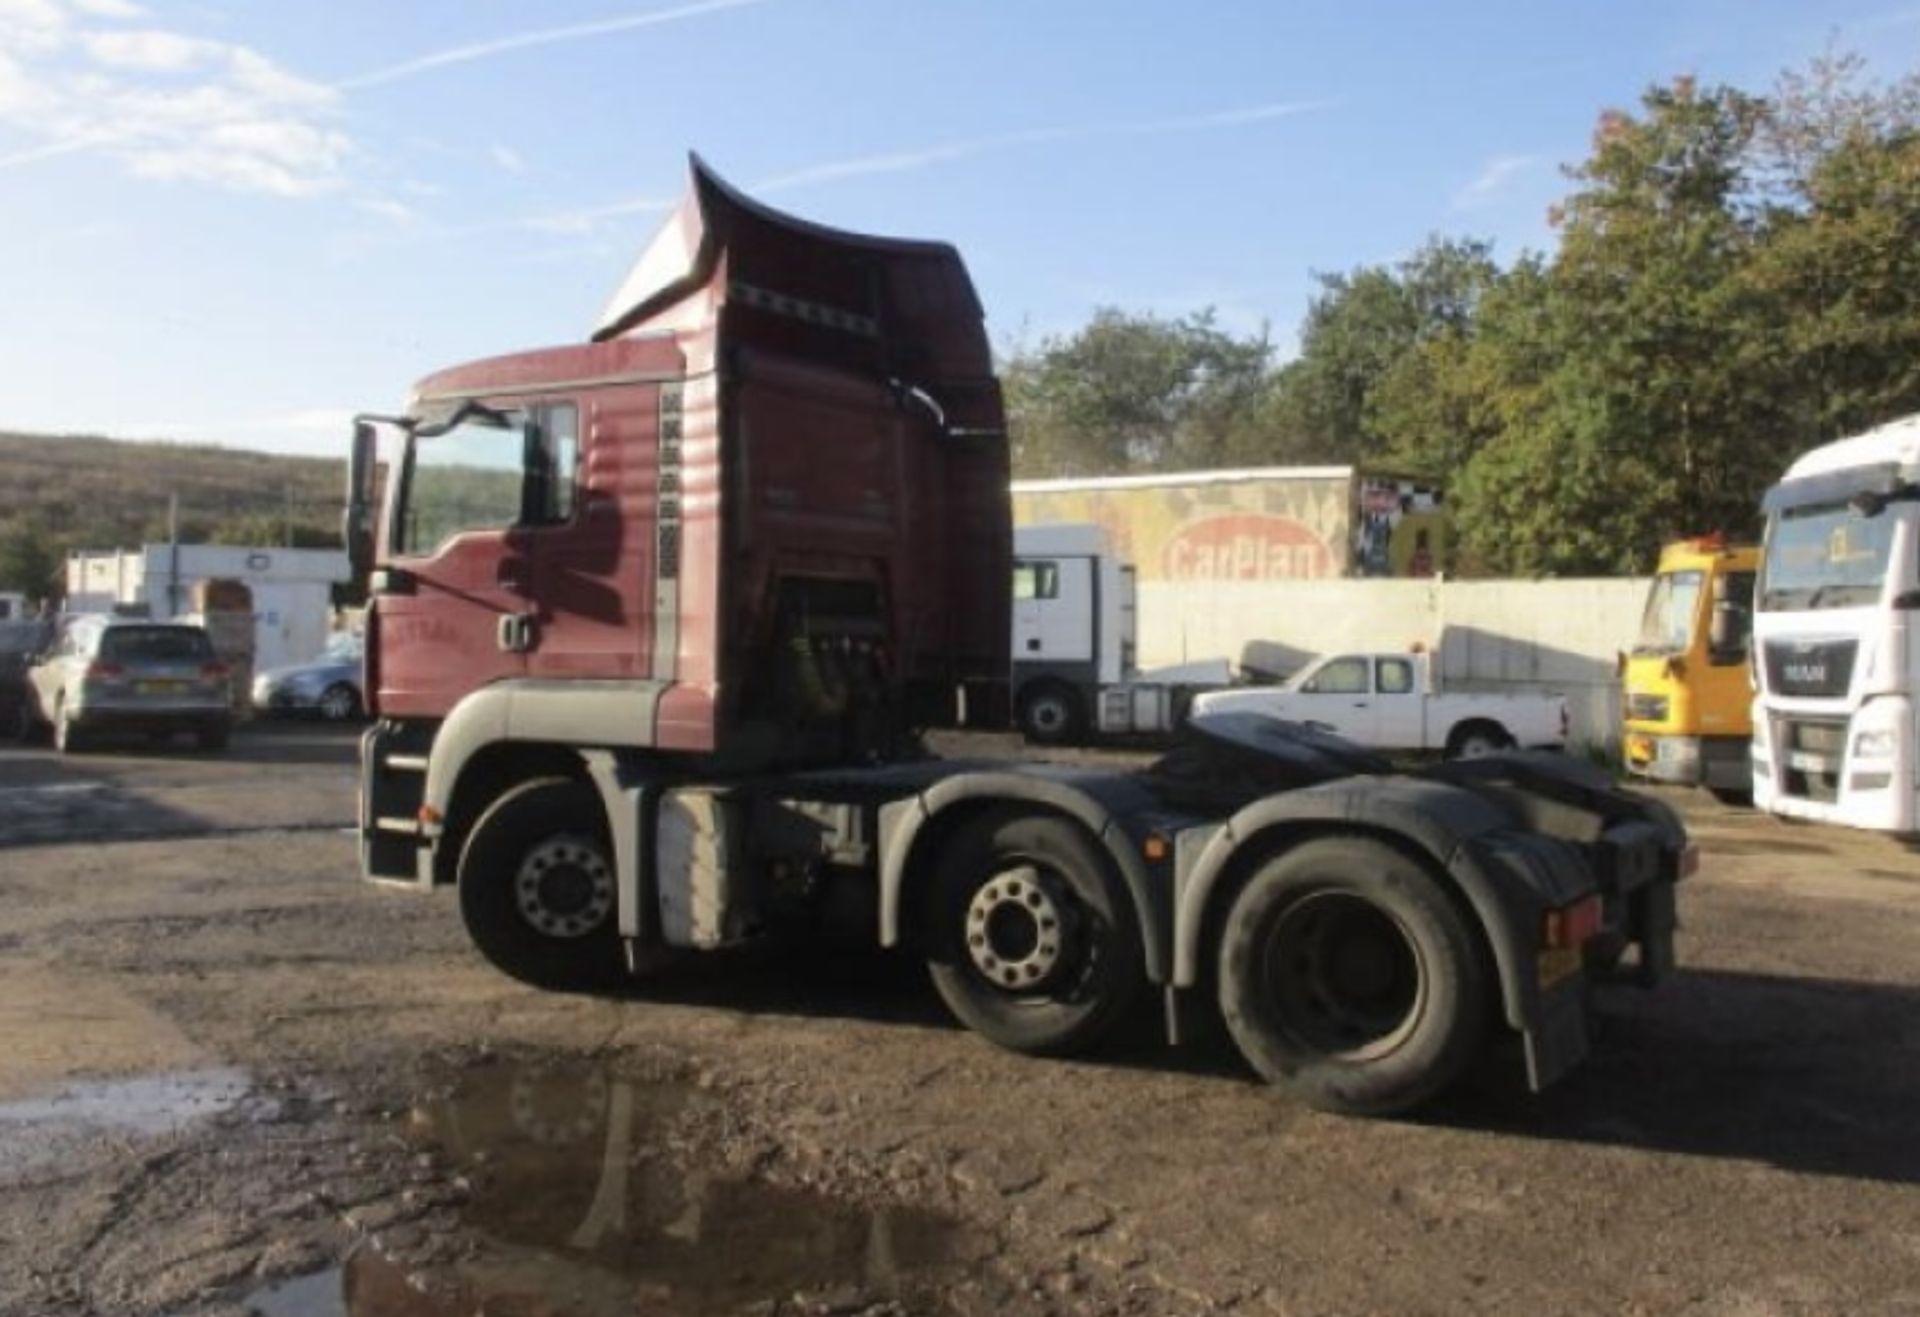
592, 585
1053, 610
452, 600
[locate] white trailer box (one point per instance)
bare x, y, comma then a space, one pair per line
292, 589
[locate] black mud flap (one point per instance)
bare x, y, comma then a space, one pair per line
1558, 1041
1656, 917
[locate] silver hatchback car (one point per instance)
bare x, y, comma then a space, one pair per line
112, 675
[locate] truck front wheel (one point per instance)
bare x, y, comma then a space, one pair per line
1050, 713
1348, 976
1032, 942
537, 886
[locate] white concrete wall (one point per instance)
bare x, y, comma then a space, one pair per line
1561, 635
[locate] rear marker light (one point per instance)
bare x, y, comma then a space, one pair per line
1572, 926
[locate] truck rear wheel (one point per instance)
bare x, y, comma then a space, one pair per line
1348, 976
1050, 713
1032, 942
537, 886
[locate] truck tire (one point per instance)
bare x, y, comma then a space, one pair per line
1351, 978
1031, 939
1050, 713
1477, 740
538, 888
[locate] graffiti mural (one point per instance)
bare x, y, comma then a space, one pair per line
1401, 529
1258, 526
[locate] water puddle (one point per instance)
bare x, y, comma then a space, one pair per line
34, 1131
595, 1193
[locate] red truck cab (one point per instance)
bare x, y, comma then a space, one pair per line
762, 515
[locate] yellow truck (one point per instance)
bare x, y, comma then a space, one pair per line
1687, 687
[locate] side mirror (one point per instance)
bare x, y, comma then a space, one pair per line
356, 523
1720, 628
1868, 503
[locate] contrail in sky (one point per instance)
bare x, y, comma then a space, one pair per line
899, 162
545, 36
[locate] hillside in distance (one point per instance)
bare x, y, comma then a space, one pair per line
85, 492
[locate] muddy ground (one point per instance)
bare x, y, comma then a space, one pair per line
233, 1078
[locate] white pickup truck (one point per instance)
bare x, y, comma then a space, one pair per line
1388, 702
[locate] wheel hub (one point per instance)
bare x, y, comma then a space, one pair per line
564, 887
1015, 929
1343, 977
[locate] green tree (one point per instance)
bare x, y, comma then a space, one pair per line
30, 561
1331, 402
1623, 419
1134, 393
1839, 273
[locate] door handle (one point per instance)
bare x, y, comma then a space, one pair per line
510, 574
514, 632
1033, 646
1359, 704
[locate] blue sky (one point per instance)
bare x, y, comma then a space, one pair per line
242, 221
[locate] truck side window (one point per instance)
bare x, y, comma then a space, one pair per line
559, 460
1395, 677
1344, 676
1036, 580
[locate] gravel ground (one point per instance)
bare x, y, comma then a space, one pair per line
235, 1078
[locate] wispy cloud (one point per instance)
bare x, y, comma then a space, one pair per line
507, 158
1492, 180
588, 218
166, 104
546, 36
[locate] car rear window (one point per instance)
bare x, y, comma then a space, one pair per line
155, 644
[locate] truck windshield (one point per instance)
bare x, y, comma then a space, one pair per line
1825, 556
1667, 625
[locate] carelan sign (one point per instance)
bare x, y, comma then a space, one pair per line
1246, 546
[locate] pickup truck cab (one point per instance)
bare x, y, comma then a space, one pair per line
1390, 702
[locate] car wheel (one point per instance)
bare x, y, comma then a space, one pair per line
1031, 940
339, 703
1477, 741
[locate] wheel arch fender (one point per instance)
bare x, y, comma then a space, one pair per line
1463, 727
477, 755
1460, 837
913, 829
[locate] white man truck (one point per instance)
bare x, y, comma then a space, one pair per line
1075, 624
1834, 657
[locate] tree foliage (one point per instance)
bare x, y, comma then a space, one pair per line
1135, 393
1736, 278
